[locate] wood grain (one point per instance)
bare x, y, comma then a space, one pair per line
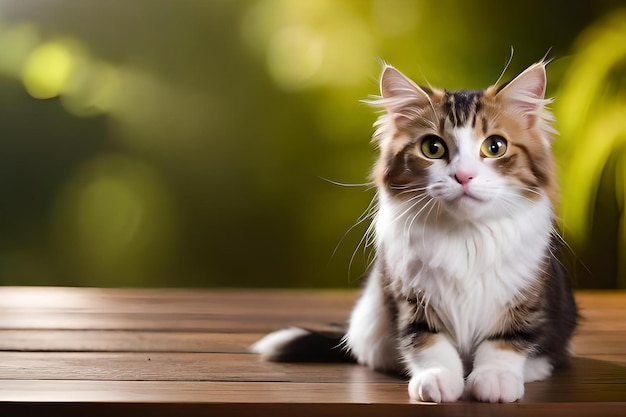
29, 340
88, 351
125, 341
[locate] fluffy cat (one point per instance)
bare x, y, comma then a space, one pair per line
466, 294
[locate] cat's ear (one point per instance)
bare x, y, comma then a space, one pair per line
398, 93
525, 94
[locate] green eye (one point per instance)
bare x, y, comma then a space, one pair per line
433, 147
493, 147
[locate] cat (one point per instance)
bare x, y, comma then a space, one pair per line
466, 294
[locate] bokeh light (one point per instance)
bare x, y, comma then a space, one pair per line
311, 42
116, 219
295, 56
48, 69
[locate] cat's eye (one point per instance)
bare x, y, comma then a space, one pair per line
433, 147
493, 147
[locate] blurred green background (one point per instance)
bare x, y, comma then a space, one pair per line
182, 143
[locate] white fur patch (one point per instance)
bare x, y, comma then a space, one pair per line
436, 372
470, 272
537, 369
271, 344
371, 334
498, 374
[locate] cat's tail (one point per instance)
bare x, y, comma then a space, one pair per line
301, 345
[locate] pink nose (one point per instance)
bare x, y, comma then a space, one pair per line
463, 177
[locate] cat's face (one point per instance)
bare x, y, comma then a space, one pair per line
473, 155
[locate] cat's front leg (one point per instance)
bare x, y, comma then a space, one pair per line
498, 373
371, 335
435, 367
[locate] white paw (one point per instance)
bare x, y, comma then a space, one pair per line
495, 385
436, 385
537, 369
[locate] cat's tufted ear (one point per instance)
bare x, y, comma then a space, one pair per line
525, 93
399, 92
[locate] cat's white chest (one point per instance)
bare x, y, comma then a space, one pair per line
468, 276
470, 310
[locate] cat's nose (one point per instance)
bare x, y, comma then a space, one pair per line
464, 177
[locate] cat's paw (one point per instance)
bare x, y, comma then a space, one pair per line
537, 369
438, 385
495, 385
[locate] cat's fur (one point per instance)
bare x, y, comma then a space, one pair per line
466, 294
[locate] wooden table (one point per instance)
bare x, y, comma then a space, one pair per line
152, 352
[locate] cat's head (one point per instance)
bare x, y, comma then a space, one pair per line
473, 155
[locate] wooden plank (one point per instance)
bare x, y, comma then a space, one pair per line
129, 366
170, 301
586, 343
356, 392
604, 323
162, 310
601, 299
244, 302
195, 409
260, 322
247, 323
243, 321
124, 341
244, 310
596, 342
211, 391
192, 300
614, 359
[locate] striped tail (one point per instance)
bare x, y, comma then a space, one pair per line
301, 345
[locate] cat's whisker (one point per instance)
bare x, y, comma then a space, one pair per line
414, 202
370, 210
506, 66
416, 215
425, 223
370, 242
559, 239
413, 199
370, 185
432, 107
532, 190
353, 256
368, 213
368, 238
371, 259
508, 193
408, 225
554, 251
429, 212
408, 221
411, 190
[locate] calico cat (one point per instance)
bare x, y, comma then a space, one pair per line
466, 294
